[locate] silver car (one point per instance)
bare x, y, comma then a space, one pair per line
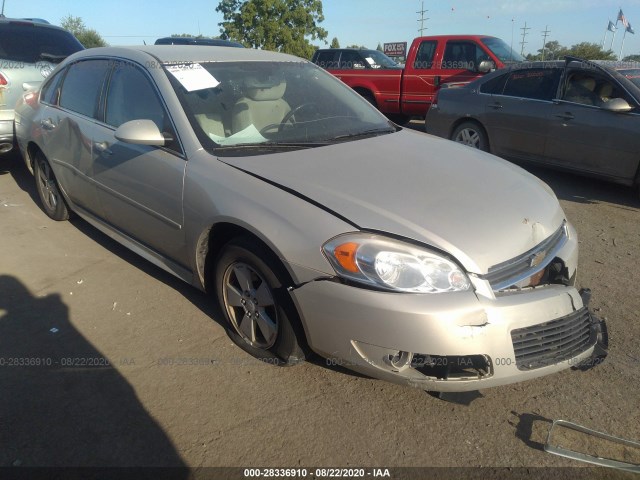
317, 224
29, 50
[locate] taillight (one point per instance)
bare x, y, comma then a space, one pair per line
3, 80
31, 99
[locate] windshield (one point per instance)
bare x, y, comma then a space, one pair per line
632, 74
380, 60
291, 104
501, 50
24, 42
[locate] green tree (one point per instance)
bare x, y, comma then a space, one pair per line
281, 25
591, 51
186, 35
335, 43
88, 37
379, 48
356, 46
632, 58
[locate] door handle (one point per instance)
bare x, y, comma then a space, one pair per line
47, 124
565, 116
496, 106
102, 148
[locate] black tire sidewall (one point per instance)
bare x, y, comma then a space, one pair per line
286, 349
60, 212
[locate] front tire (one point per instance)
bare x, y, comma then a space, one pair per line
472, 135
48, 191
251, 290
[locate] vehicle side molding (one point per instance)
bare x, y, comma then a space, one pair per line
140, 132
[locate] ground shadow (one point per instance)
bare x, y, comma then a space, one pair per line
580, 189
524, 428
63, 403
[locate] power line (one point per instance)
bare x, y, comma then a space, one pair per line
524, 29
545, 34
422, 19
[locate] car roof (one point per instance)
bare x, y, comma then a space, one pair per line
187, 53
454, 37
197, 41
35, 22
617, 64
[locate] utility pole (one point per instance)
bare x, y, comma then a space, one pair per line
545, 34
2, 12
421, 19
511, 46
524, 29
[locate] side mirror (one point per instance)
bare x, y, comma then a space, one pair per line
140, 132
617, 105
486, 66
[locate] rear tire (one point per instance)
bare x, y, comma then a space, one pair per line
261, 317
51, 199
472, 135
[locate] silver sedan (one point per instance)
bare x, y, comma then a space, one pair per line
317, 224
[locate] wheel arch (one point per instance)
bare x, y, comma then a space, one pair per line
214, 238
211, 243
30, 154
367, 93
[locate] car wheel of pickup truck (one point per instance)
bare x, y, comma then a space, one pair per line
259, 312
472, 135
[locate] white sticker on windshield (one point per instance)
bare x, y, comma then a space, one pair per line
193, 76
250, 135
369, 60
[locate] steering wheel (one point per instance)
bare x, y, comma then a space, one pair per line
287, 118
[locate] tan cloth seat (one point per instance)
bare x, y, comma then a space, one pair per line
262, 104
211, 123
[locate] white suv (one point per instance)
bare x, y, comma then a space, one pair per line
29, 51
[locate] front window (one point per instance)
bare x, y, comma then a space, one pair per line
260, 104
501, 50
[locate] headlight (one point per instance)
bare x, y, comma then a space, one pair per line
393, 265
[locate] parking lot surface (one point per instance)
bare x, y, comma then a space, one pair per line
106, 360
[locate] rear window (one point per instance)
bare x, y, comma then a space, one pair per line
535, 83
632, 74
30, 43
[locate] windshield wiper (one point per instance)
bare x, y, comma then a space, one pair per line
271, 145
374, 132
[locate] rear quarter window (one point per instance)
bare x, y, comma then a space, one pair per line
24, 42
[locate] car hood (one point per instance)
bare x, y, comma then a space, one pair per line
477, 207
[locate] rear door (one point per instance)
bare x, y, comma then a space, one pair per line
584, 136
418, 82
139, 186
67, 124
517, 117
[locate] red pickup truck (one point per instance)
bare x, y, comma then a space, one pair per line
431, 62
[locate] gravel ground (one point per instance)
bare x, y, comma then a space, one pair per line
125, 329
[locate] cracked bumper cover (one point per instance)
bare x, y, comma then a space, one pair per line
374, 332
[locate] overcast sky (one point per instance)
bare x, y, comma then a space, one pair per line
361, 22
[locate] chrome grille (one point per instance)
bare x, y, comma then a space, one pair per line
507, 274
552, 342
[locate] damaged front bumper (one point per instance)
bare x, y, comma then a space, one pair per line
454, 342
